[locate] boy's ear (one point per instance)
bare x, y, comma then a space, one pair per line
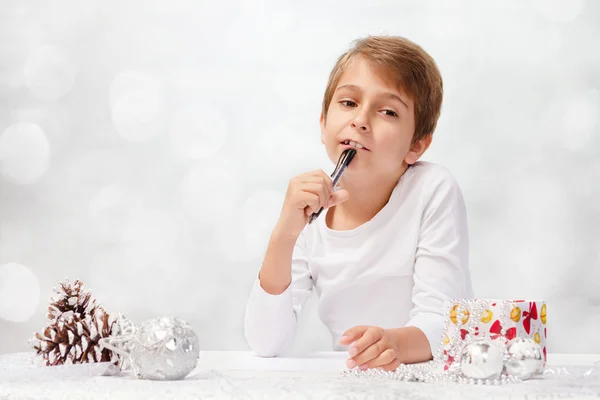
417, 149
322, 124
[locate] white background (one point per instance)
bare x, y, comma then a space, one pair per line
145, 147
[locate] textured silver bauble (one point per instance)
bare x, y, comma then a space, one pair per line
525, 358
164, 348
482, 359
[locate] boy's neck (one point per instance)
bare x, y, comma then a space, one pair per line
365, 200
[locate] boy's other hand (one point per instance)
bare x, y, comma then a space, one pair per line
305, 195
371, 347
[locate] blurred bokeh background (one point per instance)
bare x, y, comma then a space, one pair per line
145, 148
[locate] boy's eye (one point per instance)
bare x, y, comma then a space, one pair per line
348, 103
390, 113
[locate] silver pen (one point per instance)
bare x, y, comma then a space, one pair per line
343, 162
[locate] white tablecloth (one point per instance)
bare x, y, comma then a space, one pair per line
240, 375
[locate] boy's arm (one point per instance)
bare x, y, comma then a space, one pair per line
276, 273
441, 264
280, 290
284, 280
440, 274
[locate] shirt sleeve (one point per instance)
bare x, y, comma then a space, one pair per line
441, 269
270, 321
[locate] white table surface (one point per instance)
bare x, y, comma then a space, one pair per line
241, 375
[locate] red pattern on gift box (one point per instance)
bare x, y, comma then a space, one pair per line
449, 360
528, 322
496, 328
511, 333
528, 316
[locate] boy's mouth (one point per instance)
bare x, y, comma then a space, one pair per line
356, 145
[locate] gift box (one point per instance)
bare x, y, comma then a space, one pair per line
501, 320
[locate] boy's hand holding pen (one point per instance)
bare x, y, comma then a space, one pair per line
308, 195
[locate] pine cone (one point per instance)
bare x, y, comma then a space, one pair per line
76, 325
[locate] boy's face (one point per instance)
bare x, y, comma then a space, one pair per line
369, 109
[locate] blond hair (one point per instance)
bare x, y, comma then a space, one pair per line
411, 68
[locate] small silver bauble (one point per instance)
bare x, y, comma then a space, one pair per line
163, 348
482, 359
525, 358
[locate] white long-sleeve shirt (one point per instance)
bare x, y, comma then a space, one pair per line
396, 270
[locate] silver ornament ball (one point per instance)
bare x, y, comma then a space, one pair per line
482, 359
165, 348
525, 358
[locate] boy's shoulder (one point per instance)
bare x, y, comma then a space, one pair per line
435, 186
432, 183
431, 174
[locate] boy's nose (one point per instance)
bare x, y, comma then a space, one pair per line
360, 125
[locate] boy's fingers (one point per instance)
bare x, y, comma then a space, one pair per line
345, 340
382, 359
338, 197
319, 181
318, 190
310, 201
370, 336
370, 354
326, 177
352, 334
380, 362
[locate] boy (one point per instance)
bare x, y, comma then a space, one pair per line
391, 246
